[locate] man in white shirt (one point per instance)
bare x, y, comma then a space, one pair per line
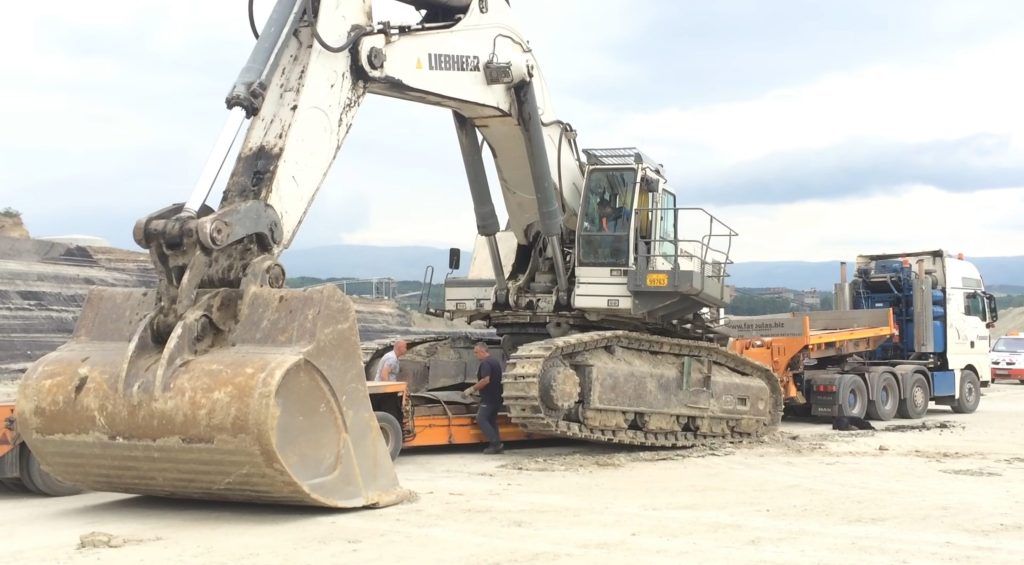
388, 368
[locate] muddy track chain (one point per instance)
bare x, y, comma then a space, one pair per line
521, 380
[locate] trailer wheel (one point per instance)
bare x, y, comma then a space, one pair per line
392, 432
915, 405
39, 481
13, 485
853, 397
970, 393
887, 399
9, 463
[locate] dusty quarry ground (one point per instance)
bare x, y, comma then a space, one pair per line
946, 489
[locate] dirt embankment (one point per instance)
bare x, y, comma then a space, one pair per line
1010, 320
43, 285
12, 226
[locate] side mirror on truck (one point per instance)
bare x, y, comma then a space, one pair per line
454, 258
993, 311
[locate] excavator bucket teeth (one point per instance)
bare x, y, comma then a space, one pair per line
272, 409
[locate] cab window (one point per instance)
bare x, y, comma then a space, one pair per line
974, 305
606, 217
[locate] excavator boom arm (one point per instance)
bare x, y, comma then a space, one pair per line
224, 385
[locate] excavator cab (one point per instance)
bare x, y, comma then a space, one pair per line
638, 252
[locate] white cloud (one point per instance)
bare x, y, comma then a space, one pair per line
975, 92
102, 87
980, 224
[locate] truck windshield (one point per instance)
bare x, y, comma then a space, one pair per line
1009, 345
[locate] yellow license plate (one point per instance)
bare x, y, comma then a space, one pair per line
657, 279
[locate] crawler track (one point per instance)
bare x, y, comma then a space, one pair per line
522, 391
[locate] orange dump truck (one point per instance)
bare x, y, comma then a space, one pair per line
429, 419
19, 469
425, 406
909, 329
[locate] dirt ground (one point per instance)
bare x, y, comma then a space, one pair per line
946, 489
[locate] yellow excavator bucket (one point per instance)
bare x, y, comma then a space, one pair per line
272, 408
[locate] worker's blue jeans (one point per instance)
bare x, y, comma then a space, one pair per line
487, 419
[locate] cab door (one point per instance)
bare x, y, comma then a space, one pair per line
666, 232
969, 343
605, 239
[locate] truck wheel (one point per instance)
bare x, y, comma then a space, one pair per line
12, 483
39, 481
887, 399
970, 393
392, 432
915, 405
853, 397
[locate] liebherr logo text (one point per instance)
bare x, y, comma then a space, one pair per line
451, 62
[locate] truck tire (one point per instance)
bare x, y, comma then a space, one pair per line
919, 395
970, 393
37, 480
392, 432
887, 399
853, 397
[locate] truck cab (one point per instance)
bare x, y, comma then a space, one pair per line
942, 316
941, 309
972, 314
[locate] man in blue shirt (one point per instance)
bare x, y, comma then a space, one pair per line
489, 388
614, 219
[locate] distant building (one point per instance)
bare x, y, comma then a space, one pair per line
809, 299
773, 292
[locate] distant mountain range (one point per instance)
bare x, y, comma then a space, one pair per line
822, 275
408, 263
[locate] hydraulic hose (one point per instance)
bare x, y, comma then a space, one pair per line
353, 34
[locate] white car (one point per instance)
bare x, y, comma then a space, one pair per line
1007, 357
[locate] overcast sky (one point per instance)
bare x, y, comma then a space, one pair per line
817, 130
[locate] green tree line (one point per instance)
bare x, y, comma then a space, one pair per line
1010, 301
746, 304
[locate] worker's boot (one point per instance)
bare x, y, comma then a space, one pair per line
494, 449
